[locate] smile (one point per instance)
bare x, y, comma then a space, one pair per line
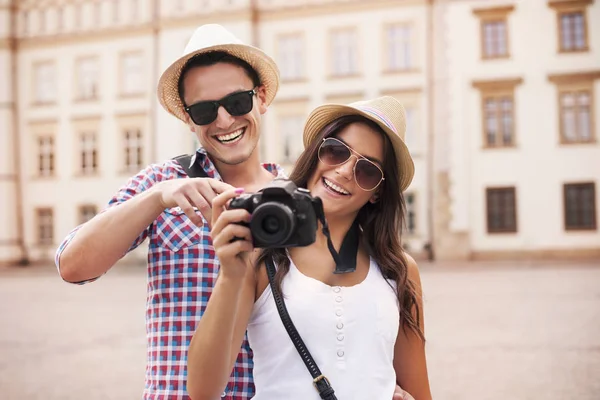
231, 137
337, 189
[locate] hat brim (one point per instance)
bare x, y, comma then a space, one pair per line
265, 67
325, 114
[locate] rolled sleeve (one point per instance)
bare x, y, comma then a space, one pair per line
144, 180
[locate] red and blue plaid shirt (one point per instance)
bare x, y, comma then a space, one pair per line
182, 270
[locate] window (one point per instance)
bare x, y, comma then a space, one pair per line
132, 74
494, 39
575, 116
87, 212
88, 153
45, 226
501, 210
115, 11
572, 31
60, 18
291, 56
399, 47
45, 156
25, 22
571, 22
580, 206
498, 116
411, 213
134, 9
77, 17
42, 21
575, 106
345, 52
494, 31
133, 150
45, 83
498, 112
97, 13
87, 78
291, 131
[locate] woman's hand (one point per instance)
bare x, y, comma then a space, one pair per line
400, 394
232, 240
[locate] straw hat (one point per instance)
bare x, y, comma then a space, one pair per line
385, 111
213, 37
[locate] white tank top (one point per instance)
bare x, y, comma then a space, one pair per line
350, 332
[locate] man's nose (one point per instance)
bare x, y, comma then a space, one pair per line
224, 119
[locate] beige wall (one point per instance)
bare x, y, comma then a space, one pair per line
538, 165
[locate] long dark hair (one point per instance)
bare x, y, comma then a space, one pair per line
387, 214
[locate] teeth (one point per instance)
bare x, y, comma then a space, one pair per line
334, 187
230, 137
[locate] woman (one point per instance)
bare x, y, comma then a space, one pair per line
364, 328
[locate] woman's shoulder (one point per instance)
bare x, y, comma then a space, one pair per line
412, 270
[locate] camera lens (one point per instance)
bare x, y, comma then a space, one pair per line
272, 224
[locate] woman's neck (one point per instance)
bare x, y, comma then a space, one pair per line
337, 231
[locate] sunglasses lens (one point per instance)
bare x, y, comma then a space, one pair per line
203, 113
238, 103
368, 175
333, 152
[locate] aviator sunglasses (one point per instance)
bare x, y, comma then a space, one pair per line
236, 104
367, 174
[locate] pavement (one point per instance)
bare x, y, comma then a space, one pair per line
495, 331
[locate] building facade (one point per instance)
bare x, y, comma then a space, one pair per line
500, 117
518, 160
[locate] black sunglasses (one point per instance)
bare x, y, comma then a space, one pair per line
236, 104
367, 174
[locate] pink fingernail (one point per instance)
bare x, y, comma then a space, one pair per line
239, 190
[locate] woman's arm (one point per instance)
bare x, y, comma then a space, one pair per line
218, 337
409, 351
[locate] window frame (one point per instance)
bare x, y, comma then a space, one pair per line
510, 230
568, 228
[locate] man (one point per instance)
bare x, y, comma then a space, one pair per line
155, 204
219, 88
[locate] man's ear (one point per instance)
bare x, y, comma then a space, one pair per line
190, 123
261, 96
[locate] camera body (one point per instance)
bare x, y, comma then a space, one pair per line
283, 215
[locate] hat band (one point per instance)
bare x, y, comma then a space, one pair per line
376, 113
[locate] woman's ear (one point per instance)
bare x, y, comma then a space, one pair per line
374, 199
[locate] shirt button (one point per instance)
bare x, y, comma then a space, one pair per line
338, 299
340, 338
340, 353
339, 313
339, 325
337, 289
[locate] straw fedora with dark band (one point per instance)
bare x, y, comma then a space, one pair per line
213, 37
385, 111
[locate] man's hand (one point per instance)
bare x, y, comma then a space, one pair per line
400, 394
189, 193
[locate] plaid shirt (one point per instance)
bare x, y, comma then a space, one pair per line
182, 269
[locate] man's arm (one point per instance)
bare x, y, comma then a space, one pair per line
105, 239
98, 244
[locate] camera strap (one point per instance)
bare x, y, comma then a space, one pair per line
190, 166
345, 260
320, 382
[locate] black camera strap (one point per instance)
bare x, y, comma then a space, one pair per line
345, 261
192, 168
320, 382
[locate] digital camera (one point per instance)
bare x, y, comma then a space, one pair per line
283, 215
